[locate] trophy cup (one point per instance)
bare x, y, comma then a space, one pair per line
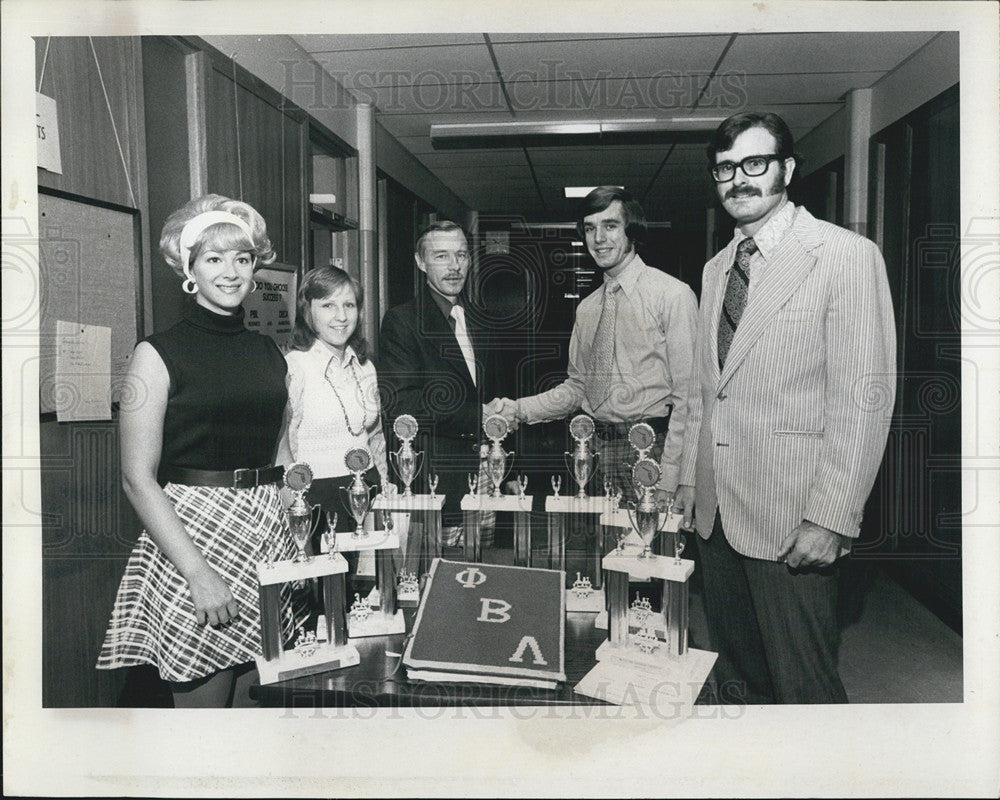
556, 485
646, 519
522, 485
473, 483
581, 460
302, 521
358, 496
405, 461
496, 428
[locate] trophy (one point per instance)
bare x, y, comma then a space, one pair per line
581, 460
522, 485
330, 535
405, 461
646, 519
358, 496
432, 482
556, 484
301, 520
496, 428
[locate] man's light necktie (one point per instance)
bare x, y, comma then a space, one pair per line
462, 334
602, 351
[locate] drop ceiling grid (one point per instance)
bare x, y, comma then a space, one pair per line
579, 76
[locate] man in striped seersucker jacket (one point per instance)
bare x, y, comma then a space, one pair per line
796, 362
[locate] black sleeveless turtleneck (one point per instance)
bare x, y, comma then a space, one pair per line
227, 392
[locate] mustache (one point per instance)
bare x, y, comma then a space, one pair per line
747, 191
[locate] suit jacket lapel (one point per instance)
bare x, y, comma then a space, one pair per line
789, 266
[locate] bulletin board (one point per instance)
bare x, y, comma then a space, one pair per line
89, 273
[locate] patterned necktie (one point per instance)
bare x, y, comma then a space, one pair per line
602, 351
736, 297
462, 334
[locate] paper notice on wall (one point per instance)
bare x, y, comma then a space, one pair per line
83, 372
271, 308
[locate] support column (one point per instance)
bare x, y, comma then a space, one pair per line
366, 219
859, 131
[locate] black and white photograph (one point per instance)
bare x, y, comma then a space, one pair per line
446, 400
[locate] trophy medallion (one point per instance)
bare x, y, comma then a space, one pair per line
642, 438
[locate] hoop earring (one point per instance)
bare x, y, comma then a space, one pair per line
189, 286
254, 286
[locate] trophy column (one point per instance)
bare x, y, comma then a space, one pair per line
309, 654
583, 595
482, 498
645, 659
428, 508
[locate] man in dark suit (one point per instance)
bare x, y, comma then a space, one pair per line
432, 365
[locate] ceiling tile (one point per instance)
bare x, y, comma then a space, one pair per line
733, 90
428, 67
334, 42
843, 51
615, 58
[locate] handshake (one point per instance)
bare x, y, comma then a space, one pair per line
506, 408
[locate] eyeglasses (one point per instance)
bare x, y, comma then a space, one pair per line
752, 166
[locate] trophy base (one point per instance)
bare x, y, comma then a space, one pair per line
347, 542
293, 665
407, 599
591, 603
375, 625
505, 502
626, 676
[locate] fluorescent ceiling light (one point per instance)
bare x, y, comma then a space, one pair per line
577, 244
581, 191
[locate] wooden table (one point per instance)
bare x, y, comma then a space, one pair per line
376, 682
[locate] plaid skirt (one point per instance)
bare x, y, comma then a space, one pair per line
153, 620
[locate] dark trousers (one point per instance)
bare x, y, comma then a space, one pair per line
774, 628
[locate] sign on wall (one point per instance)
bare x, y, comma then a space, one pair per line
47, 133
271, 308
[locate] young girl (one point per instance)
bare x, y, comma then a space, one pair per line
332, 390
199, 428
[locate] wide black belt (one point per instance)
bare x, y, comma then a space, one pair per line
231, 479
619, 430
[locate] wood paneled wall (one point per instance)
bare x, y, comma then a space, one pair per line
256, 151
88, 526
91, 162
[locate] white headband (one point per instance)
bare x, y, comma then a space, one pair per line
195, 226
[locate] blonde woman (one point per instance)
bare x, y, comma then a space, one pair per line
199, 434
